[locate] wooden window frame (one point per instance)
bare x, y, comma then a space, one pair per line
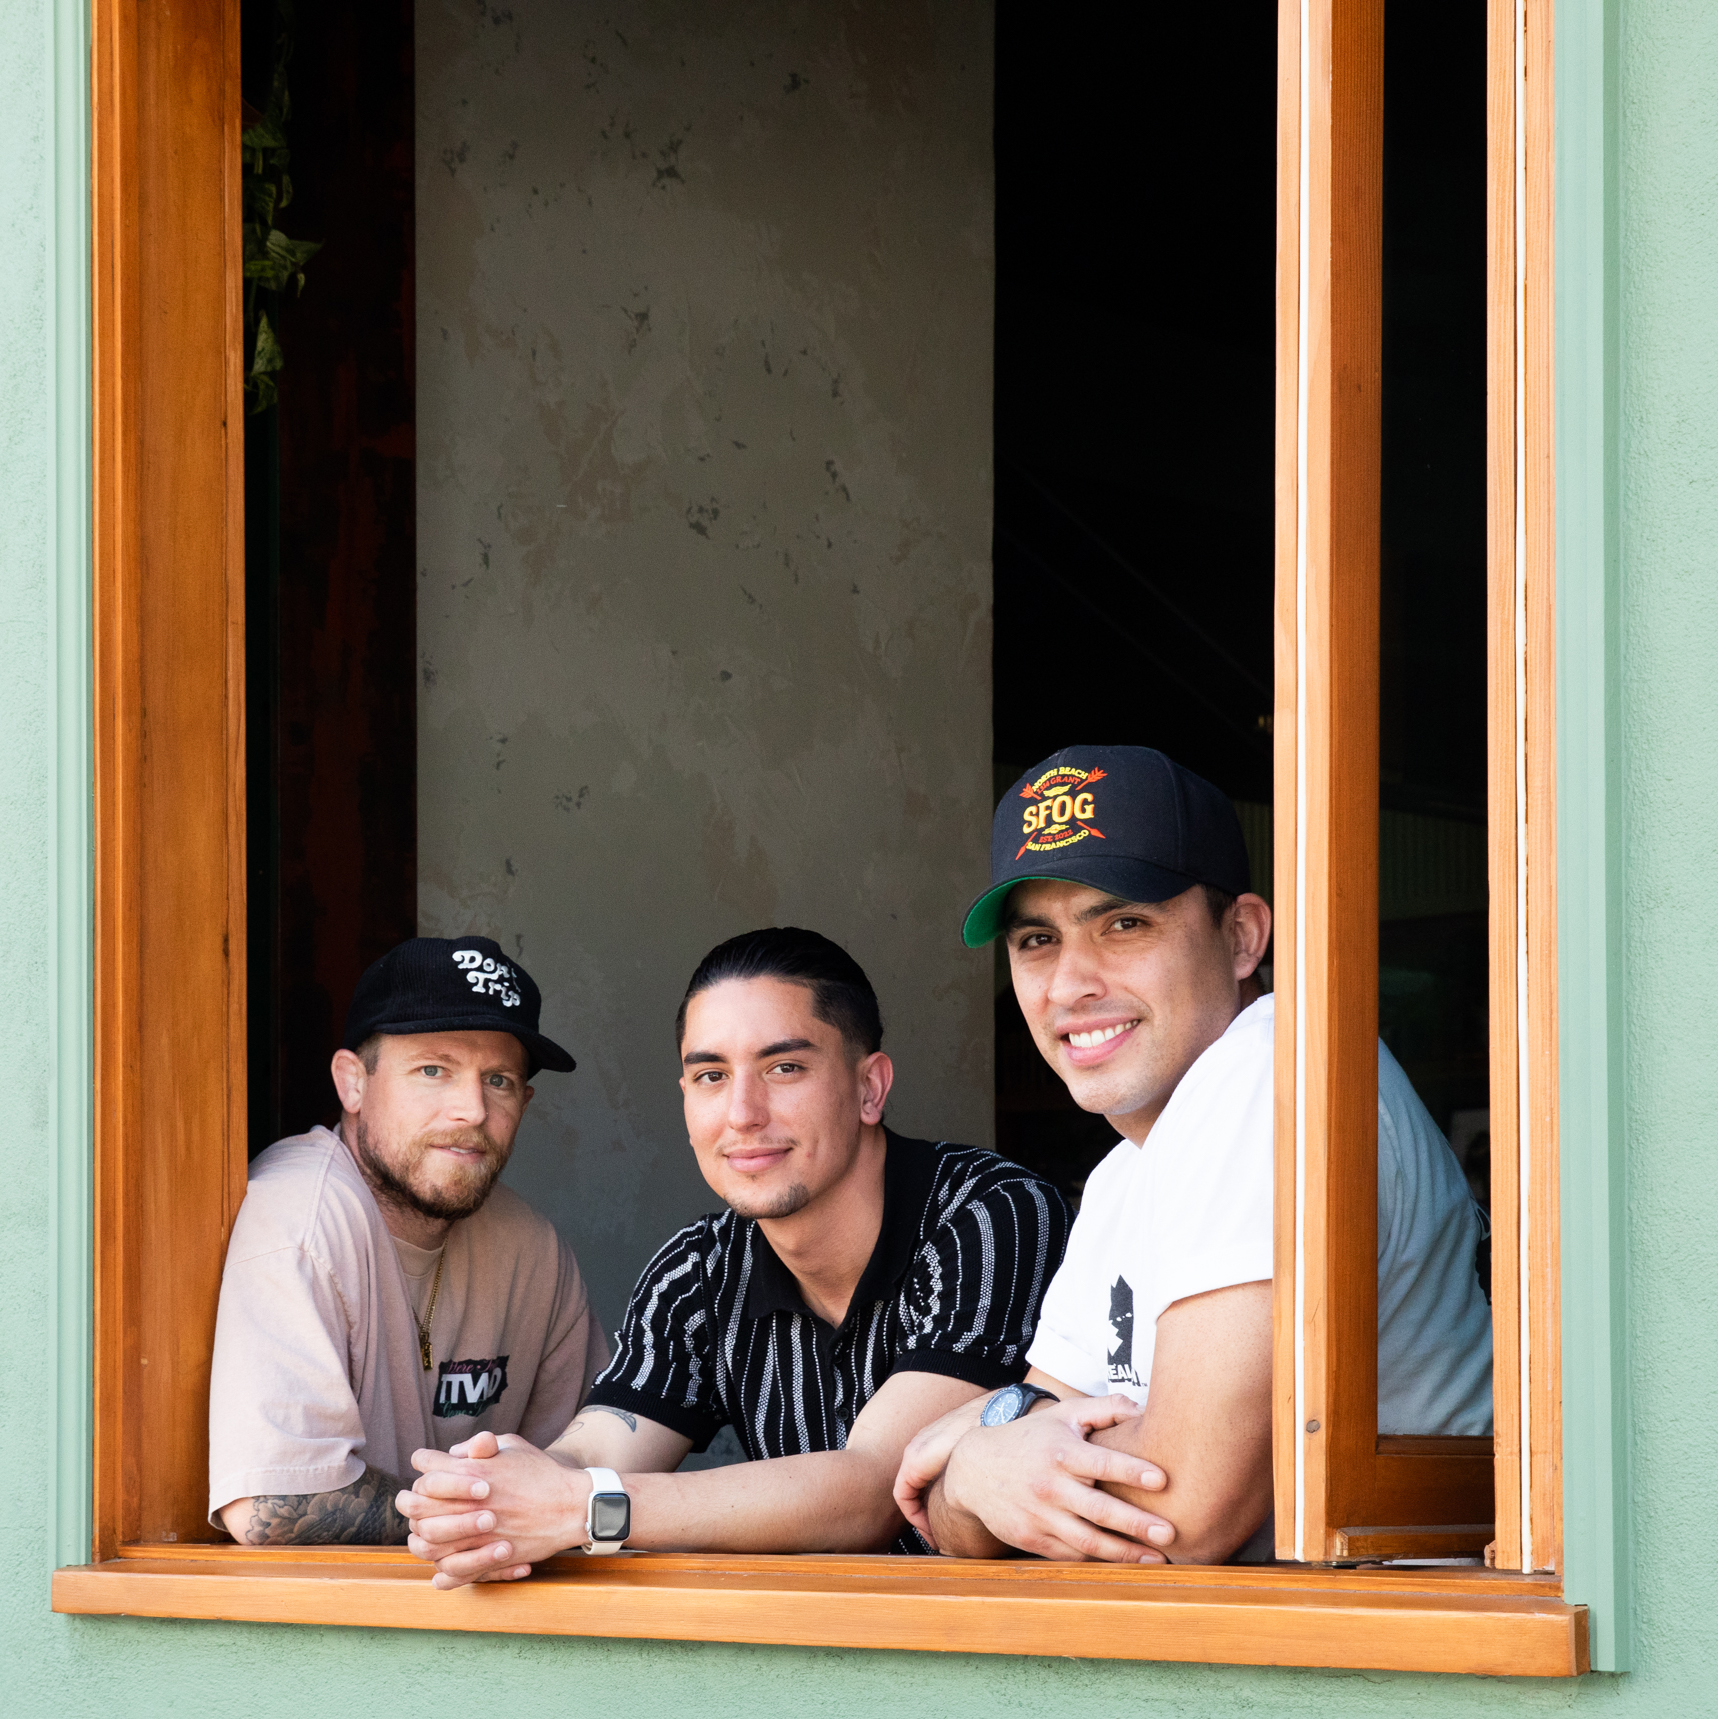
170, 1030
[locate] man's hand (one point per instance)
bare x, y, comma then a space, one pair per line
491, 1508
1033, 1484
927, 1456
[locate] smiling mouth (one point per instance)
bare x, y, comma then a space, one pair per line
1098, 1035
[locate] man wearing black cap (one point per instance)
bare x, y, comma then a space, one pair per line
381, 1293
1120, 881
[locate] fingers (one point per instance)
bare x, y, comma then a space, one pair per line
416, 1508
918, 1469
446, 1530
433, 1552
1103, 1510
1068, 1538
478, 1445
1095, 1462
909, 1500
446, 1484
1094, 1413
496, 1559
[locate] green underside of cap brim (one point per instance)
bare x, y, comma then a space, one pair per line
984, 918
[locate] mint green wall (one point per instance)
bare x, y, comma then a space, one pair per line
1639, 522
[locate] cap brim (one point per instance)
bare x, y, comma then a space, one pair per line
544, 1053
1132, 880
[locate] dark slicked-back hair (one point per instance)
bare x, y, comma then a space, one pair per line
841, 995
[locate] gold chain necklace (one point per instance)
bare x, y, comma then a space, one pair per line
428, 1319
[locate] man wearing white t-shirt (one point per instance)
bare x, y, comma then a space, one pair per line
1120, 883
382, 1293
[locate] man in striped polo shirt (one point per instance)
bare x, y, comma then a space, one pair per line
858, 1286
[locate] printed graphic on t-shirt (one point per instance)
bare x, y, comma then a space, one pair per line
469, 1387
1121, 1367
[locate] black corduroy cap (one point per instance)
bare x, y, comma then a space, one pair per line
451, 984
1123, 819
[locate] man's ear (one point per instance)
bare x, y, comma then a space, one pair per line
1251, 920
876, 1076
350, 1075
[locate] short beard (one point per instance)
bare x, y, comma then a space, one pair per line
393, 1188
791, 1199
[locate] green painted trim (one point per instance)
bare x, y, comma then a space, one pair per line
1589, 841
71, 1012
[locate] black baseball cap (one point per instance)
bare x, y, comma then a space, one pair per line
451, 984
1123, 819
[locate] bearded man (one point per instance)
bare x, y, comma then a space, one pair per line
381, 1293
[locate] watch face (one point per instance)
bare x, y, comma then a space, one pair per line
1004, 1407
611, 1516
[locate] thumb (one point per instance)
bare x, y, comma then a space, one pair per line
478, 1445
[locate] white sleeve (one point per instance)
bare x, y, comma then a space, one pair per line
1215, 1218
1062, 1344
283, 1417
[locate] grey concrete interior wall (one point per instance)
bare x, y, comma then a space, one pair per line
704, 426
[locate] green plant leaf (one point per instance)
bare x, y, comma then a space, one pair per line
260, 201
292, 253
265, 134
269, 356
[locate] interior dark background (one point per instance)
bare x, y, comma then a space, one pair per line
331, 574
1135, 378
1135, 373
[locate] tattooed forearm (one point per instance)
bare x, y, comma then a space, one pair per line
361, 1514
604, 1409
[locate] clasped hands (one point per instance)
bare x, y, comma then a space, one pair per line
490, 1508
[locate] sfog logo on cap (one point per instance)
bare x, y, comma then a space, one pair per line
1062, 809
488, 977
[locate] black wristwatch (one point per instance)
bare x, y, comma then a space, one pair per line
1011, 1402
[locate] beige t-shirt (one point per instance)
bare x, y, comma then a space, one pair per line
317, 1368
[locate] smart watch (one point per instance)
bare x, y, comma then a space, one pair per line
608, 1512
1011, 1402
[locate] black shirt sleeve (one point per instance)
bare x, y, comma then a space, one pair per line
977, 1281
664, 1353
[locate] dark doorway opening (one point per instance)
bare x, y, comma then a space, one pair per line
330, 553
1135, 379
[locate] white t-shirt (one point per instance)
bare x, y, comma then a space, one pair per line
318, 1370
1191, 1210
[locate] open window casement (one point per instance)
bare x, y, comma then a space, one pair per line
1342, 1490
170, 974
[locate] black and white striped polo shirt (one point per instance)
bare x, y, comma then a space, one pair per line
717, 1333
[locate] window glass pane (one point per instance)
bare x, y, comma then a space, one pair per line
1433, 946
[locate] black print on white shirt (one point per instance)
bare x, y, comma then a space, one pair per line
1121, 1320
469, 1387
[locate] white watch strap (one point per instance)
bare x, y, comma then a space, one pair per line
602, 1480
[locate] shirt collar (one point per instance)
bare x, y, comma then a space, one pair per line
909, 1176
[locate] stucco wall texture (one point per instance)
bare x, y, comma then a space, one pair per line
704, 336
1668, 356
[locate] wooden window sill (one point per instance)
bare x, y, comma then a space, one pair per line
1474, 1620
